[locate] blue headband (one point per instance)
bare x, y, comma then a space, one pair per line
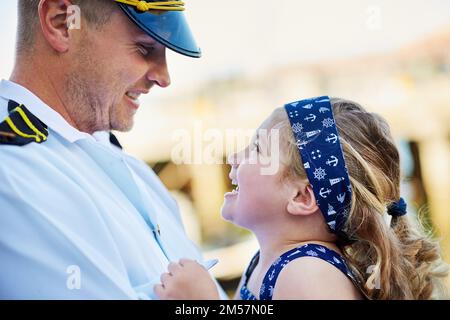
317, 138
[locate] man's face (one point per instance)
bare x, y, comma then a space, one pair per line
110, 68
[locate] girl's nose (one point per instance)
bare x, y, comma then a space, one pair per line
232, 174
234, 159
231, 159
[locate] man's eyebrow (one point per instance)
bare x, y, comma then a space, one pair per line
145, 39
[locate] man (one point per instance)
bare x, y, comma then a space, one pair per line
80, 219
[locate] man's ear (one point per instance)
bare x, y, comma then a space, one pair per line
302, 201
53, 19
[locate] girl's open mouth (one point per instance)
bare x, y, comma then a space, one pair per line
235, 191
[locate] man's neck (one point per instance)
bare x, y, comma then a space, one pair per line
41, 84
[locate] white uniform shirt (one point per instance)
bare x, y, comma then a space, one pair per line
77, 214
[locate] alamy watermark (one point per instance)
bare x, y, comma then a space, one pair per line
73, 17
73, 281
374, 21
210, 146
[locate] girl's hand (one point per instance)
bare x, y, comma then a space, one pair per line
186, 280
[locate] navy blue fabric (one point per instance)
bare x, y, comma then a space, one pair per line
397, 209
317, 138
169, 28
307, 250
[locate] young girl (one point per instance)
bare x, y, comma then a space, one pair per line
321, 220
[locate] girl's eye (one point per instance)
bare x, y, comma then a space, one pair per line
256, 145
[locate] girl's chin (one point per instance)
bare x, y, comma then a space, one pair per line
224, 211
227, 211
228, 200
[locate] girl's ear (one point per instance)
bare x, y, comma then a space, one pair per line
302, 201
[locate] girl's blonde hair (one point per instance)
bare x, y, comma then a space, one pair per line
400, 261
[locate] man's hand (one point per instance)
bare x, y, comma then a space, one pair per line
186, 280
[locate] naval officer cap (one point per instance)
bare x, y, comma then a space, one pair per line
164, 21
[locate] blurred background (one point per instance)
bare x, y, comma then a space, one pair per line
393, 57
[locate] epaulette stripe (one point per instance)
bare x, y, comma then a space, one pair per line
20, 133
21, 127
28, 122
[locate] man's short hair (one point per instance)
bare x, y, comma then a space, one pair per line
93, 12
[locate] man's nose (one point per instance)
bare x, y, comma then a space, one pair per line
158, 71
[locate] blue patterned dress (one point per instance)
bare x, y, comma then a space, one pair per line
307, 250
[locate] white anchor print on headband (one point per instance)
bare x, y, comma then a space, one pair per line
317, 138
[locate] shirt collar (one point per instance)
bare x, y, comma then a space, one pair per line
13, 91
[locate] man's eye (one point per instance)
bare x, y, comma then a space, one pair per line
144, 50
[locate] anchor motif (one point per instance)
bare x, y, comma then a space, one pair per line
333, 161
310, 134
323, 109
311, 117
331, 138
316, 154
341, 197
306, 165
308, 106
301, 144
331, 210
336, 180
324, 194
272, 274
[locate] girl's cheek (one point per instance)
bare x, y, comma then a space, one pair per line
252, 184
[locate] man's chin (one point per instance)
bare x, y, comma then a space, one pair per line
123, 126
122, 129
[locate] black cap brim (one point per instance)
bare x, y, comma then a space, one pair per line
169, 28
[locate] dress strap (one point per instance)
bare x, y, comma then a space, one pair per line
251, 267
245, 294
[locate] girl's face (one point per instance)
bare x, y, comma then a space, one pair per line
259, 197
